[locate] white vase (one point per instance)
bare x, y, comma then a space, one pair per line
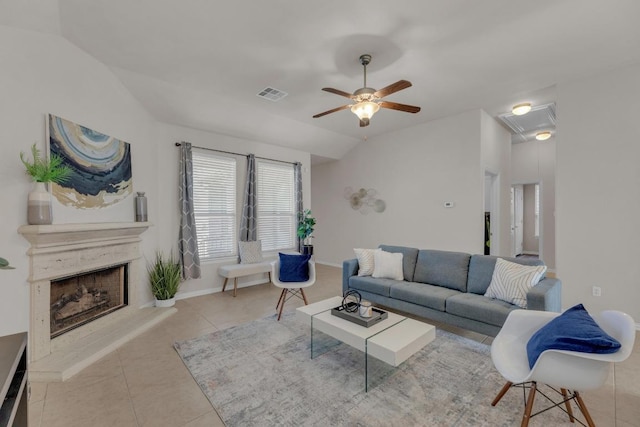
166, 302
39, 205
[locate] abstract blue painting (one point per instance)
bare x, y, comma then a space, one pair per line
101, 165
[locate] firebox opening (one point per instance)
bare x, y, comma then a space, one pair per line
79, 299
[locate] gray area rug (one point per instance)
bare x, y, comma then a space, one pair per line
261, 374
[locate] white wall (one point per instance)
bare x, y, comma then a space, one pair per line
598, 196
535, 162
43, 73
414, 171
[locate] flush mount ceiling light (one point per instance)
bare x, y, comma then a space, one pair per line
368, 100
541, 136
521, 109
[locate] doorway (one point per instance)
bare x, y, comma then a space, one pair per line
491, 213
526, 220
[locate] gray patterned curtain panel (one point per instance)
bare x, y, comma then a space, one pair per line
188, 241
297, 176
249, 222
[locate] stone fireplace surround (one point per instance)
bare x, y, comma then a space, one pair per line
61, 250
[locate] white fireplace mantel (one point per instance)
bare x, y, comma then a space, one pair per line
43, 236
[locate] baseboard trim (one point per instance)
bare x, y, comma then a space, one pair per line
201, 292
330, 264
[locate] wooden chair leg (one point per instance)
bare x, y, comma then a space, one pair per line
280, 299
503, 391
282, 305
235, 286
583, 409
304, 297
224, 285
529, 407
567, 404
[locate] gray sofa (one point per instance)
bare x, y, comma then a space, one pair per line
448, 287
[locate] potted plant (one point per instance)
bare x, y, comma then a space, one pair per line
305, 228
43, 171
164, 278
4, 264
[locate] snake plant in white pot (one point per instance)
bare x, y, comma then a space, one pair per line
164, 278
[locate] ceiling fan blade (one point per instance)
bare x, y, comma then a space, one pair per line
331, 111
400, 107
340, 92
392, 88
364, 122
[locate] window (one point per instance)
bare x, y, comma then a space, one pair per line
276, 205
214, 203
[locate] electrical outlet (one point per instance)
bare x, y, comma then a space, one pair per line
597, 291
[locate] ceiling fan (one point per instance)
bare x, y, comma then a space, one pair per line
368, 100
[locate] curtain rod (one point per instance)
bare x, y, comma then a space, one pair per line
178, 144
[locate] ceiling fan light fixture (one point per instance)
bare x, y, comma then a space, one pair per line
543, 136
521, 109
365, 109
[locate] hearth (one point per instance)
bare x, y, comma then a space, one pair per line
82, 298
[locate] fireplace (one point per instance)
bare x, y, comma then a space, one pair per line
73, 319
82, 298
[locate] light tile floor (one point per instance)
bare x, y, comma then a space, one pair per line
144, 383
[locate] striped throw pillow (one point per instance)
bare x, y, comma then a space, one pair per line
511, 281
250, 252
365, 261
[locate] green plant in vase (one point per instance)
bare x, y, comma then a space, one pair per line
306, 224
4, 264
43, 171
164, 278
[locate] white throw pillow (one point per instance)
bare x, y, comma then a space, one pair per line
365, 260
387, 265
250, 252
511, 281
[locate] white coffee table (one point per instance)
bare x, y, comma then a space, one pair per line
392, 340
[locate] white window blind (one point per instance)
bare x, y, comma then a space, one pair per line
214, 203
276, 204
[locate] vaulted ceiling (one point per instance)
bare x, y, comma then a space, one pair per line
201, 63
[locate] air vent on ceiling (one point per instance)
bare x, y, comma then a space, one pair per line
524, 128
272, 94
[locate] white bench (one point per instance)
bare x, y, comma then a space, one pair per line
234, 271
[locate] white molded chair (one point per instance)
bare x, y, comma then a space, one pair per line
290, 289
566, 370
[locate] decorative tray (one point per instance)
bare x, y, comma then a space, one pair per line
377, 316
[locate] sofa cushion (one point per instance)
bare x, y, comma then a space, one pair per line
481, 270
365, 261
573, 330
250, 252
294, 268
369, 284
422, 294
479, 308
442, 268
409, 259
511, 281
387, 265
